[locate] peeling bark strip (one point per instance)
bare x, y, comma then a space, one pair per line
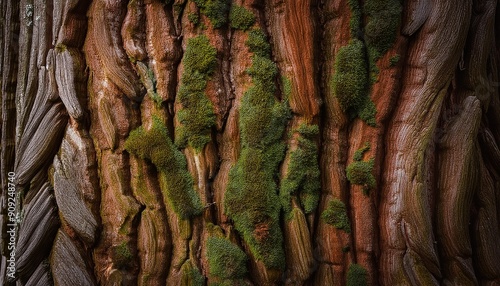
249, 142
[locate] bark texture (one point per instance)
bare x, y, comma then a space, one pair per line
250, 142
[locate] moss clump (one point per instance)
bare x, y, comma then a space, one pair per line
251, 199
303, 176
258, 44
355, 22
383, 18
200, 56
240, 18
360, 172
215, 10
336, 215
263, 71
225, 260
357, 275
122, 256
197, 115
175, 180
351, 76
350, 82
367, 112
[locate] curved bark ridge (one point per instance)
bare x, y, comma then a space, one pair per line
217, 142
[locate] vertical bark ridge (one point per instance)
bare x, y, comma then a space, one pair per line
407, 235
333, 261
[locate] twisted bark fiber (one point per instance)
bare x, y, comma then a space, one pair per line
250, 142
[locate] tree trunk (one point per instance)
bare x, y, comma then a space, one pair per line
249, 142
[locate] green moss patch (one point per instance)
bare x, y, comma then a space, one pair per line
335, 214
240, 18
251, 199
355, 21
350, 79
383, 18
226, 260
303, 176
176, 182
357, 275
253, 204
216, 10
361, 172
197, 115
355, 64
258, 44
350, 82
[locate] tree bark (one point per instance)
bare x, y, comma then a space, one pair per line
250, 142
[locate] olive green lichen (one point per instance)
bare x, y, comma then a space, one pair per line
240, 18
303, 176
357, 275
175, 181
216, 10
197, 115
336, 215
225, 260
251, 199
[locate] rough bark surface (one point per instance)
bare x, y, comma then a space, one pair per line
250, 142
